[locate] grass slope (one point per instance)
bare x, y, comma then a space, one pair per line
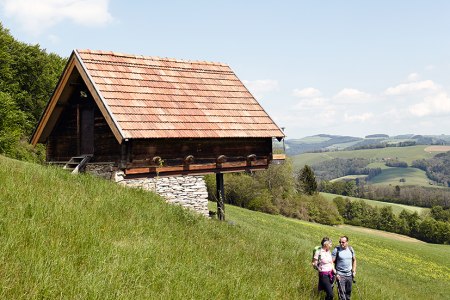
79, 237
392, 176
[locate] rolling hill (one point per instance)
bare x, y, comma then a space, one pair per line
326, 142
407, 154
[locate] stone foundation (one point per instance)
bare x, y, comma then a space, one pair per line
104, 170
187, 191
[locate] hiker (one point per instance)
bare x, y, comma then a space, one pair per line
323, 262
345, 262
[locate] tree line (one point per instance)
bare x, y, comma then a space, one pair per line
437, 167
408, 195
339, 167
434, 228
28, 75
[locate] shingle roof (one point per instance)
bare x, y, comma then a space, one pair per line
153, 97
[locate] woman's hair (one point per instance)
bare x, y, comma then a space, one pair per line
326, 240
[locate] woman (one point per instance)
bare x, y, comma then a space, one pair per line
323, 262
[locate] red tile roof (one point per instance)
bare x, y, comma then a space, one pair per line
153, 97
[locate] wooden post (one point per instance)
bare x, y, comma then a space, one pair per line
220, 195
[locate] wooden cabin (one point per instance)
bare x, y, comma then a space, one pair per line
154, 116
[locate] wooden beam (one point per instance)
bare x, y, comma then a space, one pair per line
181, 170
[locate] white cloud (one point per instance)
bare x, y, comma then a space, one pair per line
312, 103
351, 96
259, 88
412, 88
397, 109
438, 104
37, 16
307, 93
413, 77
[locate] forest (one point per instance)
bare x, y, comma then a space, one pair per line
28, 76
437, 168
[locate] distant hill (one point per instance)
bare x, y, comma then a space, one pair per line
327, 142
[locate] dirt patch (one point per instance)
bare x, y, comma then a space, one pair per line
391, 235
437, 149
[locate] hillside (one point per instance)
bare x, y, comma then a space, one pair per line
326, 142
406, 154
66, 236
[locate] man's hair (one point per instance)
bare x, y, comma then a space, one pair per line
344, 236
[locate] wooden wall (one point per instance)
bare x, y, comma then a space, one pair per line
64, 141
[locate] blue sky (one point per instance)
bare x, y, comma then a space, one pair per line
337, 67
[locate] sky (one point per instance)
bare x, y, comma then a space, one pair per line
334, 67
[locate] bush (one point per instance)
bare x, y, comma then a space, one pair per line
273, 191
322, 211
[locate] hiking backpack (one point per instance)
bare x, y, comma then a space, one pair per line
316, 248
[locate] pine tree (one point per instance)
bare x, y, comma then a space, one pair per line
306, 181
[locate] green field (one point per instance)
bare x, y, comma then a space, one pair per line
396, 208
407, 154
80, 237
392, 176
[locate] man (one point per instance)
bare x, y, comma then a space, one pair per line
345, 264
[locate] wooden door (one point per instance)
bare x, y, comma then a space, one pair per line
86, 130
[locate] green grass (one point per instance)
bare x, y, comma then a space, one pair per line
79, 237
392, 176
396, 208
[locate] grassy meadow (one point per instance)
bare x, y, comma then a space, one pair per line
411, 176
80, 237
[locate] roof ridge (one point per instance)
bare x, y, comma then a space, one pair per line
147, 57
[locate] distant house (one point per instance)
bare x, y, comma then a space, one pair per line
151, 116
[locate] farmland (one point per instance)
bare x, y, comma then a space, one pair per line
406, 154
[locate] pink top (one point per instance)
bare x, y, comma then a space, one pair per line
326, 261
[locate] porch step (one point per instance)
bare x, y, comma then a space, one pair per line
77, 163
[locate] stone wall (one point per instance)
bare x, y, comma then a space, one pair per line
187, 191
104, 170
